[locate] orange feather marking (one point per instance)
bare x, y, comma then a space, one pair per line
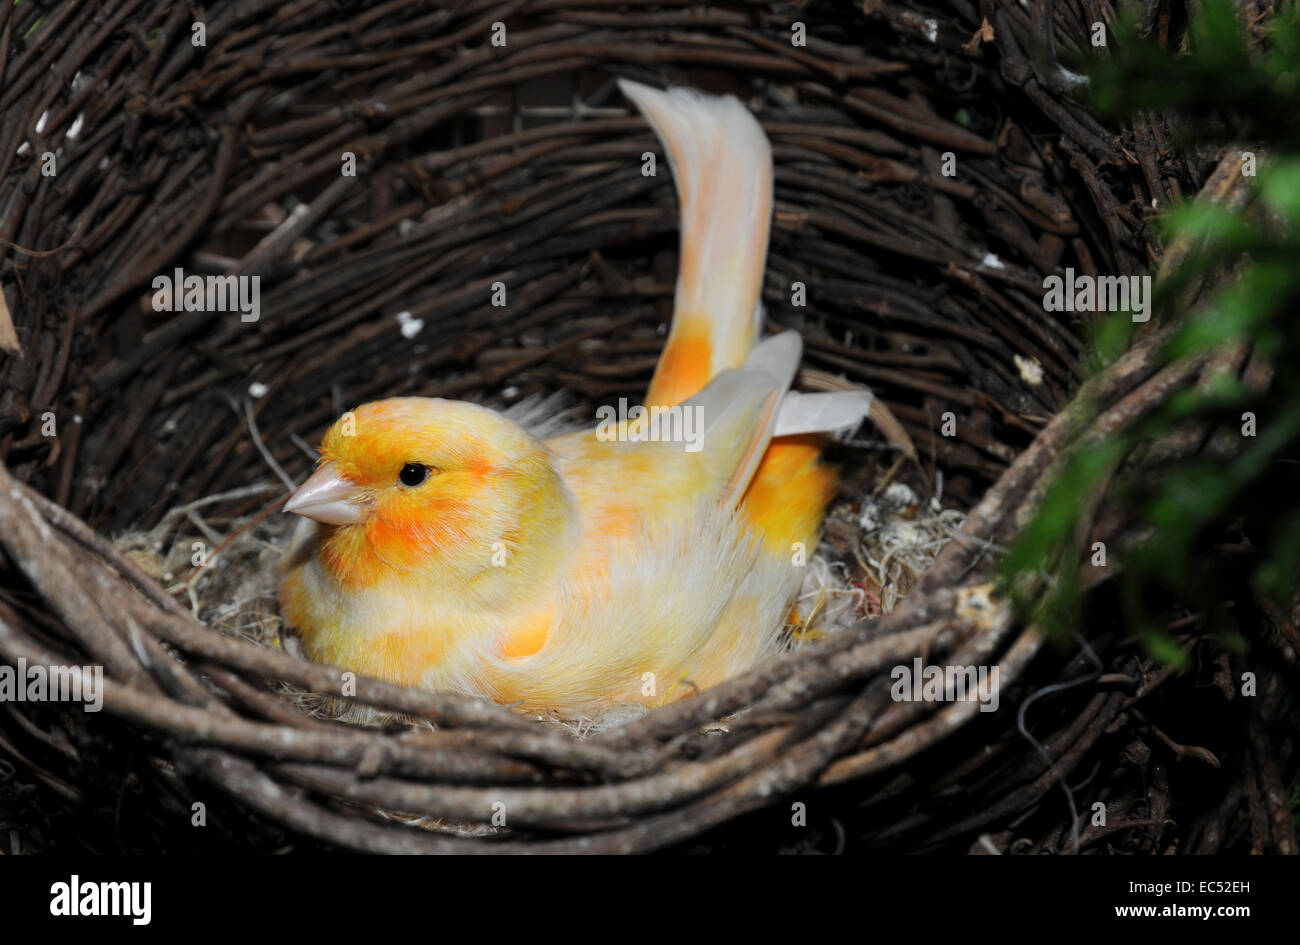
787, 498
686, 365
528, 636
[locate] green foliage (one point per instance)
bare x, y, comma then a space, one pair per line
1226, 80
1231, 88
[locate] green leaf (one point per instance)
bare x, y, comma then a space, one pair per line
1165, 648
1279, 186
1215, 225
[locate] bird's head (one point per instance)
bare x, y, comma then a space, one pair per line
416, 483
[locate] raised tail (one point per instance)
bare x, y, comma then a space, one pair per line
722, 165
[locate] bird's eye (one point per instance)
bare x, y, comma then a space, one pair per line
413, 474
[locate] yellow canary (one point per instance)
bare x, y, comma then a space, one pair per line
653, 556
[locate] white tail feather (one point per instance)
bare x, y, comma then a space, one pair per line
821, 413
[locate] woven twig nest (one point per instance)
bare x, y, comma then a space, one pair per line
517, 164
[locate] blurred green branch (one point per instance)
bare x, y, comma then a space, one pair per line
1234, 463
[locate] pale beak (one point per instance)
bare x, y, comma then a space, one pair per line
327, 497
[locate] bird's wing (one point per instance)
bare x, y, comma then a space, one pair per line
739, 410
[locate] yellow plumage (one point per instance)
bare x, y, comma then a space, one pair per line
457, 552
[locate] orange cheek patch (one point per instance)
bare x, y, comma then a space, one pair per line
419, 531
396, 541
